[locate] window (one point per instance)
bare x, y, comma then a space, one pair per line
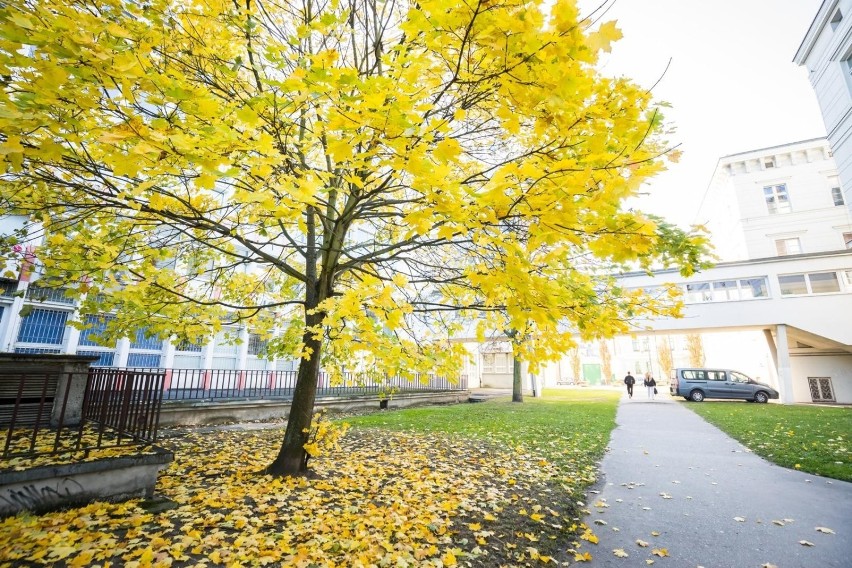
188, 346
811, 283
256, 344
149, 360
769, 162
142, 341
847, 240
43, 326
777, 200
44, 294
720, 376
698, 293
497, 363
837, 196
98, 325
788, 246
753, 288
641, 344
824, 282
821, 389
694, 374
836, 18
105, 358
8, 288
725, 291
738, 377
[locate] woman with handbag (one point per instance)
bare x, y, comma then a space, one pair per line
651, 384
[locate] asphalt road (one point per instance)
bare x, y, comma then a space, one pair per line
712, 502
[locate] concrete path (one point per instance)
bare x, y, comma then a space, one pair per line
713, 503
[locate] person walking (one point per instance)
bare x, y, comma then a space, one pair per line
629, 380
651, 384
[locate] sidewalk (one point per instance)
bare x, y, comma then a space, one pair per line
713, 503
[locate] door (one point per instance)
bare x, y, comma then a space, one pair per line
592, 373
739, 386
717, 384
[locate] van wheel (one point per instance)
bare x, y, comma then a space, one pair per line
696, 396
761, 397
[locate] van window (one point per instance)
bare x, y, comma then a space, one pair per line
738, 377
694, 375
716, 375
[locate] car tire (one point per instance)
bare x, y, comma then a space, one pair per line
761, 397
696, 396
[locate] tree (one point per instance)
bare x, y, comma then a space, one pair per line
606, 361
695, 347
338, 175
575, 364
664, 354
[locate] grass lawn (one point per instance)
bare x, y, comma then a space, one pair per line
480, 485
814, 439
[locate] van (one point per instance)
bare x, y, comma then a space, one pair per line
696, 384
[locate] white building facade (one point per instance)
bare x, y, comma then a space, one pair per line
826, 52
777, 201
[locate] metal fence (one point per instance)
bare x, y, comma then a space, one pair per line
212, 384
117, 408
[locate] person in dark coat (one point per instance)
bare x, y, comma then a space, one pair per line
629, 380
651, 384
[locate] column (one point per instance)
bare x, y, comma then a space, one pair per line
122, 350
785, 373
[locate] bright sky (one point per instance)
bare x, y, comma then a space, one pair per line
731, 82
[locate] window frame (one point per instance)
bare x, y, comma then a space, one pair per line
772, 195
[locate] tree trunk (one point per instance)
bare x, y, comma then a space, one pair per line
291, 457
517, 384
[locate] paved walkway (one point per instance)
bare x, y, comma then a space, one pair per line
713, 503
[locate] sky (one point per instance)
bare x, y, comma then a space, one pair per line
731, 82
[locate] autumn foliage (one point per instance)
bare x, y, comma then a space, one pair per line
336, 175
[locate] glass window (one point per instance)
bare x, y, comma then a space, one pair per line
142, 341
788, 246
187, 346
792, 284
694, 374
717, 375
837, 196
43, 326
847, 240
697, 293
150, 360
738, 377
256, 344
753, 288
777, 200
8, 288
105, 358
824, 282
725, 291
97, 327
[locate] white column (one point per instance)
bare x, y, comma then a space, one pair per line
242, 354
785, 373
207, 354
73, 338
168, 354
14, 320
122, 350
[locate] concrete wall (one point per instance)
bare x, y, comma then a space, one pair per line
837, 367
185, 413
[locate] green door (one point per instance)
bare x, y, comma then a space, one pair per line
592, 373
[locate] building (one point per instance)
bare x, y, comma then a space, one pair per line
826, 52
777, 201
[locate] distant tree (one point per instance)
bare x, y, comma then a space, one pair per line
664, 354
346, 171
575, 365
695, 347
606, 360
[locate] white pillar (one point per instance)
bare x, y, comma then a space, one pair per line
168, 354
207, 354
242, 354
14, 320
785, 373
122, 350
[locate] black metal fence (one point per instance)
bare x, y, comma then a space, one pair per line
61, 412
211, 384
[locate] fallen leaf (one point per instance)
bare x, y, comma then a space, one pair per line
825, 530
779, 523
806, 543
620, 552
641, 542
739, 519
660, 552
649, 561
582, 557
600, 522
655, 533
768, 565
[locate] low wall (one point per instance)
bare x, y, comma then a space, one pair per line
195, 413
45, 488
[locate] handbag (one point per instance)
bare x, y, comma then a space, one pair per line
655, 390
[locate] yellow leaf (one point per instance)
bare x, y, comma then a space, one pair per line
449, 559
582, 557
660, 552
620, 552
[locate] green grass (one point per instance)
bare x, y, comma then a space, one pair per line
569, 427
809, 438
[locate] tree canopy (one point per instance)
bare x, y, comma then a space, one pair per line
345, 174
